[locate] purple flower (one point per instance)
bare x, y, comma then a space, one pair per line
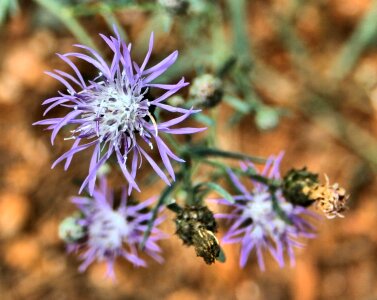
108, 233
256, 225
113, 113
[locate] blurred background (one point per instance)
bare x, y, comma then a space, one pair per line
296, 75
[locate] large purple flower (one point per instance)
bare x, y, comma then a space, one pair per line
106, 233
114, 112
255, 224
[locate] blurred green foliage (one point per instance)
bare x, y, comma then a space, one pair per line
7, 7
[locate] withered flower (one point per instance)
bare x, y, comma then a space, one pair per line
196, 226
330, 199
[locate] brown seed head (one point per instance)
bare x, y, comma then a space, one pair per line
330, 199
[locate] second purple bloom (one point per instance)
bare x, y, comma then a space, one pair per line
256, 224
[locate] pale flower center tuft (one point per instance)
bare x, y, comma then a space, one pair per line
108, 230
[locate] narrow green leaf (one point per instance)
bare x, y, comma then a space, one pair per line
238, 104
202, 118
218, 189
65, 15
221, 257
207, 152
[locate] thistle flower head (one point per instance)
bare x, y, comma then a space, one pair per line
264, 221
106, 232
113, 112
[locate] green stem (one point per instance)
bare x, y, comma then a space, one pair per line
65, 15
238, 9
171, 140
360, 141
161, 201
213, 128
206, 152
364, 34
8, 7
276, 207
187, 183
111, 20
273, 183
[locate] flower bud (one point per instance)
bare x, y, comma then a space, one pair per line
176, 100
296, 184
266, 118
206, 90
175, 7
70, 231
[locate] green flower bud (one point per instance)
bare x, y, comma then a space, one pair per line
295, 185
175, 7
267, 118
70, 231
206, 90
176, 100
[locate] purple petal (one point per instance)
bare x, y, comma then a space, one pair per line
155, 167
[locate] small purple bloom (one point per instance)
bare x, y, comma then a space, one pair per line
108, 233
256, 225
114, 112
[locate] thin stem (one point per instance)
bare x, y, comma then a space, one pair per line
238, 9
161, 201
187, 183
364, 34
276, 207
172, 142
273, 183
7, 7
65, 15
111, 20
206, 152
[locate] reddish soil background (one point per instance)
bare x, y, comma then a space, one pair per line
340, 264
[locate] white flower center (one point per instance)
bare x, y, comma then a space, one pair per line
265, 219
118, 112
108, 230
259, 208
114, 109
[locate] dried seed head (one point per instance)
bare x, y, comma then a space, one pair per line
196, 226
206, 245
330, 199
